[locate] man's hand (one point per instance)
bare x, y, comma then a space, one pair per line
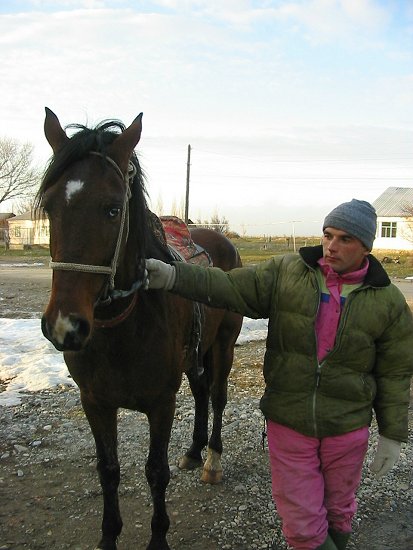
387, 454
160, 274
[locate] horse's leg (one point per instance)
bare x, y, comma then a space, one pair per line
200, 390
103, 423
157, 470
223, 354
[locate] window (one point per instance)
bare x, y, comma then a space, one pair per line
17, 231
389, 229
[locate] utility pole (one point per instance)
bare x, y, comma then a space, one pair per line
294, 222
188, 168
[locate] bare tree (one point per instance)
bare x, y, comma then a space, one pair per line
182, 209
217, 224
408, 212
178, 210
25, 204
174, 209
18, 178
159, 206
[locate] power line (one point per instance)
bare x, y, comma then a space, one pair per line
280, 178
269, 158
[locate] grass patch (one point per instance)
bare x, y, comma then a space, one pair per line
32, 253
254, 250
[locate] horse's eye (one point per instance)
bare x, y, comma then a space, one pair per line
113, 213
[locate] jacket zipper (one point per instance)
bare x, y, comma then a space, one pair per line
320, 366
317, 383
318, 371
338, 336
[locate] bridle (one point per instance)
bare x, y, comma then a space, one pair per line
110, 292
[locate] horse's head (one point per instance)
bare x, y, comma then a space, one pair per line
85, 193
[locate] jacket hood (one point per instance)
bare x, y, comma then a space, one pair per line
376, 275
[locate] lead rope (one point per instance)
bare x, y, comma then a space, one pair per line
264, 434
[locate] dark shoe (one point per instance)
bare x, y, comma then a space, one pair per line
340, 539
328, 544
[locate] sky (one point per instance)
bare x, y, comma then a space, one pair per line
290, 106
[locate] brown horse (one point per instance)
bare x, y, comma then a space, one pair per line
125, 346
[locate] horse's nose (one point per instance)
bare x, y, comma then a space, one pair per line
67, 333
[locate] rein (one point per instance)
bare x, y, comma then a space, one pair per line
110, 323
111, 293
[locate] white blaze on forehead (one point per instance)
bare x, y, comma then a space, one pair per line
73, 187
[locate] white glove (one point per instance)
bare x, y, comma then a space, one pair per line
160, 274
387, 454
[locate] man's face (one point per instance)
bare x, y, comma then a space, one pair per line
342, 252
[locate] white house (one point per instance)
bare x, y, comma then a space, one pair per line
394, 210
28, 230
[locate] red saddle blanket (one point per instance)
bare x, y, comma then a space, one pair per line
179, 239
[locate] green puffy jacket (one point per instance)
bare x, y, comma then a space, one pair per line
369, 367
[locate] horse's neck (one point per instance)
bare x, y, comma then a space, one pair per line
159, 249
157, 246
131, 265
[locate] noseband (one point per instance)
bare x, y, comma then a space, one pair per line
111, 293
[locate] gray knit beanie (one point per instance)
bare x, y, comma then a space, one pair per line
357, 218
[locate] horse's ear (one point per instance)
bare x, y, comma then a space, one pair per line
122, 147
54, 133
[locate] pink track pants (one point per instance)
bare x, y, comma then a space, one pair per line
314, 482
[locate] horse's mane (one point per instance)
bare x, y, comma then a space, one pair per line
80, 145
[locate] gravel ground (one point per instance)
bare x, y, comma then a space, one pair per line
50, 496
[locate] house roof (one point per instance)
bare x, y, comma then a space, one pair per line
393, 202
6, 215
28, 216
25, 216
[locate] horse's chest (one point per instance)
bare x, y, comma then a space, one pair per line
124, 376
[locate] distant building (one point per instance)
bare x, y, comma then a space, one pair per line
394, 210
4, 216
4, 227
28, 230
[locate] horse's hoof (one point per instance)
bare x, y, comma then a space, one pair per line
212, 473
158, 545
213, 477
189, 463
106, 546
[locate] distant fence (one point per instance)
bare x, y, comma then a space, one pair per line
282, 228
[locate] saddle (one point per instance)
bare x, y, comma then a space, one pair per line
180, 243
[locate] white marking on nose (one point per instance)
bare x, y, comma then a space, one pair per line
73, 187
62, 326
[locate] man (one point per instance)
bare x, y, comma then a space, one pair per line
339, 345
